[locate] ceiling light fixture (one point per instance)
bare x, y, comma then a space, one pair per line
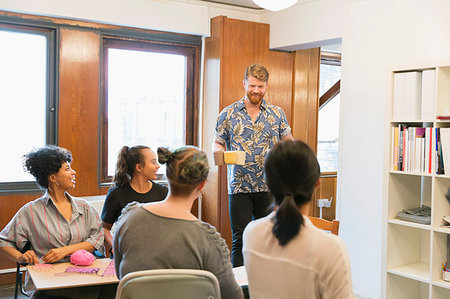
275, 5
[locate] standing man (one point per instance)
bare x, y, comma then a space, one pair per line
254, 126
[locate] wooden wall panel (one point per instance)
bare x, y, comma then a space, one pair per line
279, 91
326, 190
305, 102
79, 103
9, 205
244, 43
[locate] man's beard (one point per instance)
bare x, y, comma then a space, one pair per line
255, 99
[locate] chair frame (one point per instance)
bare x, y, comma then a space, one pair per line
201, 273
332, 226
19, 274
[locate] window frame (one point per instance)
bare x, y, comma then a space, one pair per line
330, 58
14, 24
189, 46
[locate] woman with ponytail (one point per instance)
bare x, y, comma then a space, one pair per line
133, 180
166, 235
285, 255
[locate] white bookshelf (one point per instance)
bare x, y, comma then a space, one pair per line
414, 252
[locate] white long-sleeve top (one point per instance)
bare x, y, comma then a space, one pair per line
314, 264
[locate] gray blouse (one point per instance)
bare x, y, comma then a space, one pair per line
145, 241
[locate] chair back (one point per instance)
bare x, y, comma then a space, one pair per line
169, 284
332, 226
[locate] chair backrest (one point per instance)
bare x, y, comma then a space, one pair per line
168, 284
332, 226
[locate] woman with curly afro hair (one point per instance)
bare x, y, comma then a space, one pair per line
166, 235
56, 224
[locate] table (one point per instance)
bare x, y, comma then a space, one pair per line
240, 274
47, 280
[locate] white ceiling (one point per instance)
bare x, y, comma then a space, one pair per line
240, 3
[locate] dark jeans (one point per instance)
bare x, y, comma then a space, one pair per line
245, 207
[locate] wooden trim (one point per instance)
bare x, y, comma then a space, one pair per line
7, 16
330, 58
330, 94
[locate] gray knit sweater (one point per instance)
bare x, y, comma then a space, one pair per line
144, 241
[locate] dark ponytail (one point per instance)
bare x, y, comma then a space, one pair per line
127, 160
287, 220
291, 172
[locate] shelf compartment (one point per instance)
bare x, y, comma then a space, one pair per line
415, 271
443, 89
407, 192
445, 230
440, 292
440, 254
408, 252
398, 287
441, 206
411, 224
411, 173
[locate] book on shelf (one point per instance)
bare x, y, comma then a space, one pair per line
400, 147
429, 150
419, 154
395, 150
445, 145
413, 149
439, 161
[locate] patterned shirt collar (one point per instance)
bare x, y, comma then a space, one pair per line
241, 104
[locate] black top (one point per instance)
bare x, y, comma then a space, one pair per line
118, 197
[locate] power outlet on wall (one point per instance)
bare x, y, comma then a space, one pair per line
324, 203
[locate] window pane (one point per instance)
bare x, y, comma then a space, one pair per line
328, 136
146, 101
23, 60
329, 75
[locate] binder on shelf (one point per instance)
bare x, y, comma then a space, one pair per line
398, 108
413, 95
428, 95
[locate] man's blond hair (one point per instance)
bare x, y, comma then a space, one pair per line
258, 71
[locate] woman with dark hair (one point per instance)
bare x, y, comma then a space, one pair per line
163, 235
285, 255
135, 171
57, 224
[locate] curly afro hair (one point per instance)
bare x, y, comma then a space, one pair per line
46, 161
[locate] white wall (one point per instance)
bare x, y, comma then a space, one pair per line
308, 24
377, 36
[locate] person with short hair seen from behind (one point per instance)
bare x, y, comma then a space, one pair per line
136, 170
285, 255
254, 126
56, 224
166, 235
